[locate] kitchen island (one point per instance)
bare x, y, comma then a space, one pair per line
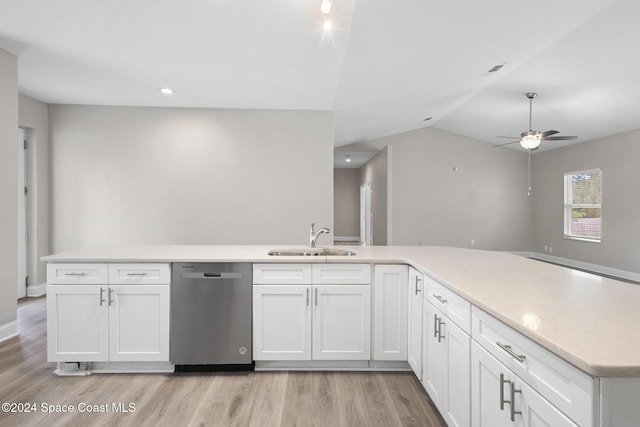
591, 322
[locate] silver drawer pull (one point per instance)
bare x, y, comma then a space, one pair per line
439, 298
75, 274
509, 350
136, 274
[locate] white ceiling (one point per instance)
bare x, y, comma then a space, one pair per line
385, 66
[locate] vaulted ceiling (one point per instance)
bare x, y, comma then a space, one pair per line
384, 68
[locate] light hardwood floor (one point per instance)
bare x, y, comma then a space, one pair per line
203, 399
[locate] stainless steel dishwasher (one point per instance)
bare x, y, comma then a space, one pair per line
211, 316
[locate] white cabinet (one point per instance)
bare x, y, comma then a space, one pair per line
282, 322
500, 398
342, 322
77, 323
93, 323
306, 322
390, 300
101, 322
446, 375
139, 323
558, 382
77, 274
414, 349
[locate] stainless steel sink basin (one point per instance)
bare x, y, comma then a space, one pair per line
311, 252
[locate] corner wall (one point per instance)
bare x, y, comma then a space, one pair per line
8, 193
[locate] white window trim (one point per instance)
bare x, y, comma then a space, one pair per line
568, 206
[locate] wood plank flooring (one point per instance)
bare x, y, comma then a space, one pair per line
201, 399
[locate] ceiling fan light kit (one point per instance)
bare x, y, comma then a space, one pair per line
531, 139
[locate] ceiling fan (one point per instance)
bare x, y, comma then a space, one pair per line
531, 139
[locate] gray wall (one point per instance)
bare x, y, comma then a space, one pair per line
34, 116
376, 172
617, 156
8, 186
346, 202
484, 200
194, 176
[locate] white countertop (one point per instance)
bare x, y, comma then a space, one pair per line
590, 321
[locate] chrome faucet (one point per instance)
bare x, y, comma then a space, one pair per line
313, 235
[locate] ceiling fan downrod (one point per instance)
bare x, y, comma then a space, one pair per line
531, 96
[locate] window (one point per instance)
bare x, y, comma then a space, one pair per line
583, 205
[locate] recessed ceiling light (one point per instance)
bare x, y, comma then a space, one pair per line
167, 91
347, 158
325, 6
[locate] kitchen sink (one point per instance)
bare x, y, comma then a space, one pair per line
311, 252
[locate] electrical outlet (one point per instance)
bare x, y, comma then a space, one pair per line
473, 241
546, 248
550, 249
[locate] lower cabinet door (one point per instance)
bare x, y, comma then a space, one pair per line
138, 323
281, 322
77, 323
434, 354
446, 366
489, 390
500, 398
458, 397
342, 322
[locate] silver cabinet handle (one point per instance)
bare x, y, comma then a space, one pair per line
513, 401
136, 274
436, 323
502, 383
440, 323
109, 295
509, 350
307, 297
417, 287
73, 273
439, 298
316, 296
101, 293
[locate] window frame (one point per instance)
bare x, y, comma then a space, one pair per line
569, 206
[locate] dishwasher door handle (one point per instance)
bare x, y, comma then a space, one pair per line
212, 276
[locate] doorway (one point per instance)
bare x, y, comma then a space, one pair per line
22, 213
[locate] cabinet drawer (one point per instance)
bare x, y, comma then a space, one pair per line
341, 274
568, 388
282, 274
79, 274
449, 303
135, 273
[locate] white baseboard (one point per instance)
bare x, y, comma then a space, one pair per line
581, 265
8, 330
346, 238
37, 290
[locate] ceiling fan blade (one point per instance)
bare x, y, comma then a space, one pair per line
506, 143
547, 133
560, 138
508, 137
